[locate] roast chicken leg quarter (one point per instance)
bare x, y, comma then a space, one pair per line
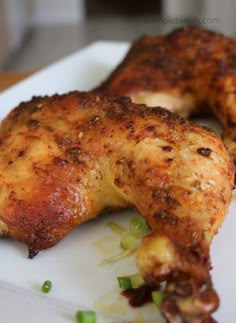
66, 159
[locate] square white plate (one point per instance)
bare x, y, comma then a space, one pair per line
73, 264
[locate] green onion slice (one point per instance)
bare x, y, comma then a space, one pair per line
117, 229
86, 317
128, 242
131, 281
121, 255
46, 287
138, 227
124, 282
136, 280
157, 297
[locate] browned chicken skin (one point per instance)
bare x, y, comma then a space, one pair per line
66, 159
186, 71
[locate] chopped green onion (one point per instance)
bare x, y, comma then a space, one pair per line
132, 281
124, 282
123, 254
128, 242
46, 287
157, 297
86, 317
138, 227
136, 280
116, 228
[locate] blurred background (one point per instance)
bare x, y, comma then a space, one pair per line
35, 33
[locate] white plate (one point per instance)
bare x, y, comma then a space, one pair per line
73, 264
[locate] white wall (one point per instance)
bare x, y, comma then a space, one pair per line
223, 10
17, 21
57, 11
182, 8
16, 16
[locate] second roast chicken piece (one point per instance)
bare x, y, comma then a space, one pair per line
188, 71
66, 159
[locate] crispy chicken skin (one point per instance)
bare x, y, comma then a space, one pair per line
187, 71
66, 159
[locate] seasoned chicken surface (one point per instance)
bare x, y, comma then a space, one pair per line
188, 71
66, 159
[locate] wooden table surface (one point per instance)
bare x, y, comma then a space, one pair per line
9, 78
